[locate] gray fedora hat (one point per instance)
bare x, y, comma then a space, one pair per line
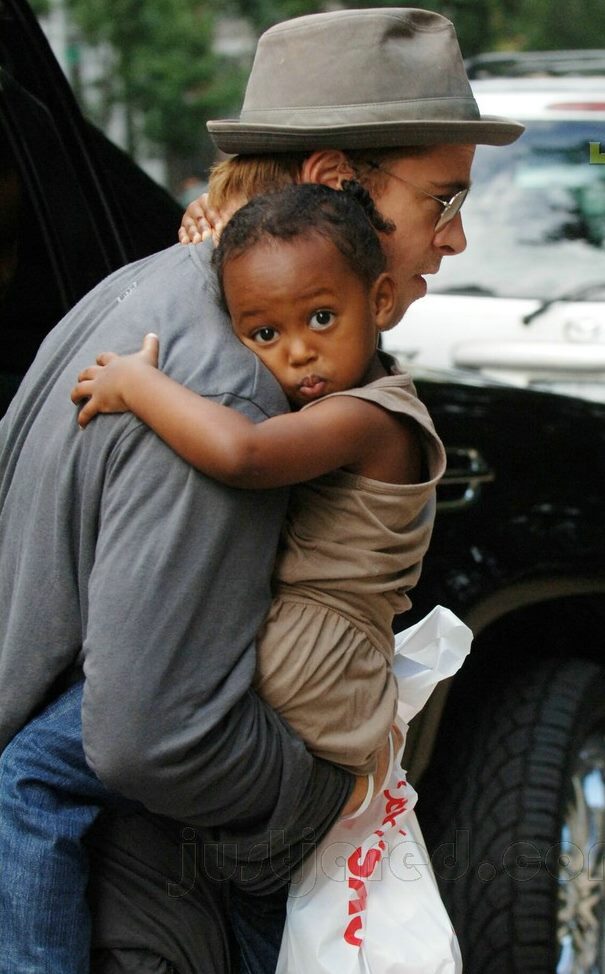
349, 79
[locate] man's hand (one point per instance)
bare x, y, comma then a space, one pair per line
105, 385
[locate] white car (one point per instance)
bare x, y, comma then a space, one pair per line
525, 303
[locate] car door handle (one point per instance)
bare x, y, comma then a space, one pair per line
461, 485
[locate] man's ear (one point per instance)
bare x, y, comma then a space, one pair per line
327, 166
383, 299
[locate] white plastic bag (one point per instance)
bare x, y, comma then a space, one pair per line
366, 902
427, 653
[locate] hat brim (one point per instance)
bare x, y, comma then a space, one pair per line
238, 138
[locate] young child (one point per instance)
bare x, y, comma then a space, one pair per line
302, 275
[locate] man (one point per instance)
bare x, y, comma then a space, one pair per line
121, 563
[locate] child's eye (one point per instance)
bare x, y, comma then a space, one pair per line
321, 319
264, 336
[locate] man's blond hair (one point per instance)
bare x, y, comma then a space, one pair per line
242, 177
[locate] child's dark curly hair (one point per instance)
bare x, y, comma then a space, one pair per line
348, 218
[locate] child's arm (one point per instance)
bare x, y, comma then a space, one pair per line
223, 443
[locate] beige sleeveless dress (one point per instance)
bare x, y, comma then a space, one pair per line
352, 548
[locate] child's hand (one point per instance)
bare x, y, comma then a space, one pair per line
201, 221
105, 385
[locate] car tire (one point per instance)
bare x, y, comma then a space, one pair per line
513, 812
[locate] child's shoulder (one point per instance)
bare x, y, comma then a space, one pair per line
394, 392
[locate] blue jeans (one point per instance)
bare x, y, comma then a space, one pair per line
49, 799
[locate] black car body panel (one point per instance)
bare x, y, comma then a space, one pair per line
539, 515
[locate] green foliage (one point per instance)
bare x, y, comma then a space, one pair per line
264, 13
161, 68
550, 25
525, 25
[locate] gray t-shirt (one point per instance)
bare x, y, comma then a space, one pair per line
118, 557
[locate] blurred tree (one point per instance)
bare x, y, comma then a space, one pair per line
264, 13
160, 68
525, 25
551, 25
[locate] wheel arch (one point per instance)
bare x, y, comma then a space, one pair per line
523, 622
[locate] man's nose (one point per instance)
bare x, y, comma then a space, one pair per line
451, 238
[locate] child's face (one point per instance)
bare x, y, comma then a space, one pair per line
299, 307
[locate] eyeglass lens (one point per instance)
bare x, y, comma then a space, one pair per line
451, 209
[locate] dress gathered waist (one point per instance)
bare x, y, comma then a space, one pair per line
379, 636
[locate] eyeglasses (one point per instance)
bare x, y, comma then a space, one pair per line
451, 207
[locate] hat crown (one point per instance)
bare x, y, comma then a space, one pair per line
385, 76
387, 63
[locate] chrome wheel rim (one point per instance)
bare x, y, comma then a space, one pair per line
581, 865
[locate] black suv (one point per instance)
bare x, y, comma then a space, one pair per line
512, 796
510, 759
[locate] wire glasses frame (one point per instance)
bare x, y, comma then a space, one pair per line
451, 207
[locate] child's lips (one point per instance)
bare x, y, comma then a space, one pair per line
312, 386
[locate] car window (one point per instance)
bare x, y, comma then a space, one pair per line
70, 202
535, 216
48, 247
51, 247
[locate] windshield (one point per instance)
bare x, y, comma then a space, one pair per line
535, 216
